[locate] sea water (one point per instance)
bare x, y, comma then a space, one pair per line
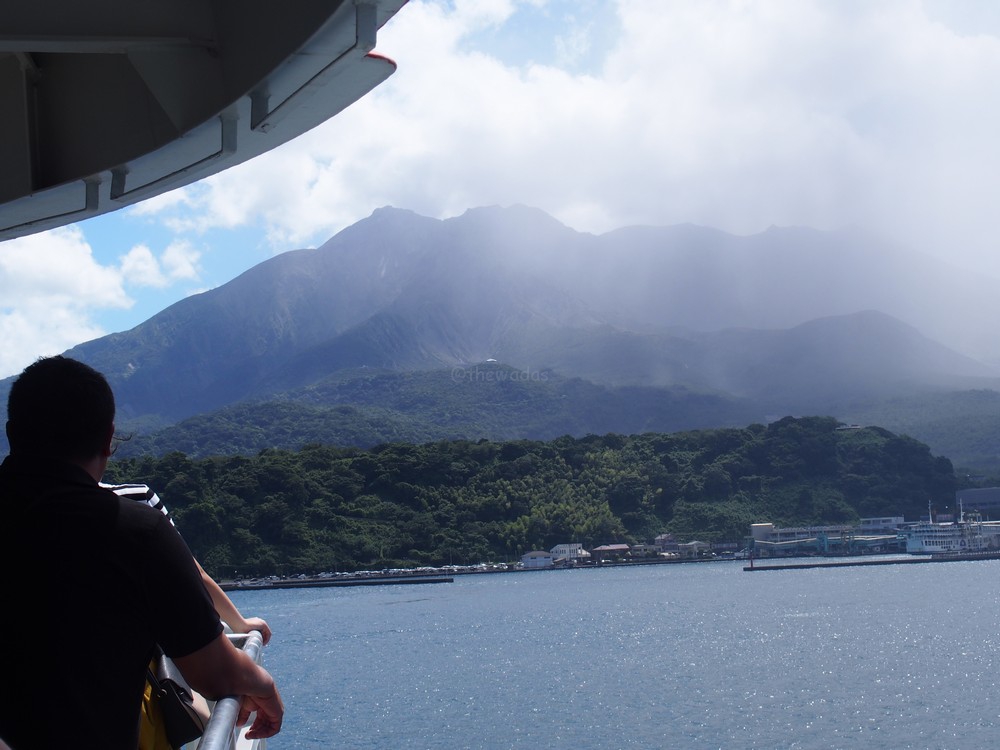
702, 655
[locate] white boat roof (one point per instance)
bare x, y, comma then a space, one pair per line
109, 102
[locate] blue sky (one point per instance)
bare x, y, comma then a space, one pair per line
735, 114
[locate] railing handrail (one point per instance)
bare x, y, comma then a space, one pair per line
221, 733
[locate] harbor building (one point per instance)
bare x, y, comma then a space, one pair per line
610, 552
884, 525
870, 535
537, 559
573, 553
666, 543
644, 550
694, 550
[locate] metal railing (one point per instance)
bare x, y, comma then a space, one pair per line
222, 732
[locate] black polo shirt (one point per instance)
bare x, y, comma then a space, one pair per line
94, 581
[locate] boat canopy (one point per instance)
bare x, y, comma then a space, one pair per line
109, 102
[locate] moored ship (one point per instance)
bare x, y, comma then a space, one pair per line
969, 533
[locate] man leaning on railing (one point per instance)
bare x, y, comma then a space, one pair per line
95, 581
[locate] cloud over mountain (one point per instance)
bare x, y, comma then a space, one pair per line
780, 313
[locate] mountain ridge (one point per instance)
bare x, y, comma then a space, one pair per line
793, 320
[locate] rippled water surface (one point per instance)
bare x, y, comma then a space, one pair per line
689, 656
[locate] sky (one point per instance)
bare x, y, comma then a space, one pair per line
735, 114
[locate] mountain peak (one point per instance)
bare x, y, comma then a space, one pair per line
405, 291
518, 213
384, 212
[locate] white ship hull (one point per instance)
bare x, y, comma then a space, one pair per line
950, 538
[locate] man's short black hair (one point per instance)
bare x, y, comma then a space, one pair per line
60, 407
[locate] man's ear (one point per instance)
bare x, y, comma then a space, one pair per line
107, 451
14, 435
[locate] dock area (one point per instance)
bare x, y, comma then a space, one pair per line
913, 560
304, 583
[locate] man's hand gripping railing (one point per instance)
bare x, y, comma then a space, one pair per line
222, 731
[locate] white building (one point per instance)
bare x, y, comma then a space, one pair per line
569, 552
666, 543
537, 559
694, 550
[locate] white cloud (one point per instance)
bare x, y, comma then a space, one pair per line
737, 115
52, 288
59, 266
179, 262
31, 333
573, 45
140, 267
50, 284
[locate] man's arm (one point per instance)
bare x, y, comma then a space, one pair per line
220, 669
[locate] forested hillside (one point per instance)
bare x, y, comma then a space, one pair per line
324, 508
496, 402
488, 400
964, 425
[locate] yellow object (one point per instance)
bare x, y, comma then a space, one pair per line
152, 730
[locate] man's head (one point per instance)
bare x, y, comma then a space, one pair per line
61, 408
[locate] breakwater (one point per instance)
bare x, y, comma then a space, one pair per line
913, 560
303, 583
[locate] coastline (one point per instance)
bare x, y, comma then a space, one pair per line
434, 575
447, 575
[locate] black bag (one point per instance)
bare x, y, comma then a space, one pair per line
185, 714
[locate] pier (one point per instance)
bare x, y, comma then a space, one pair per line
305, 583
914, 560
